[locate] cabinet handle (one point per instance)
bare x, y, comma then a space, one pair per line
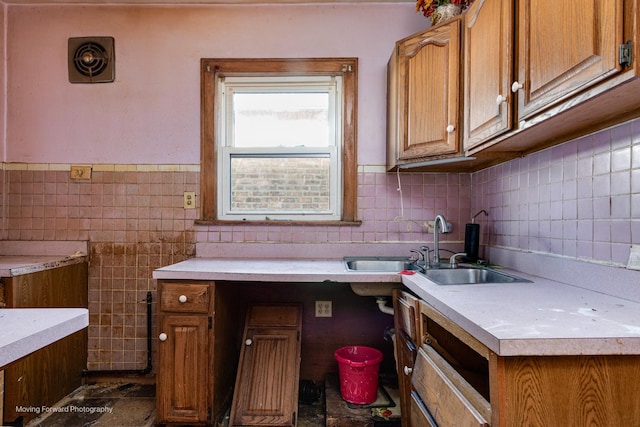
500, 99
407, 370
450, 129
162, 337
182, 298
248, 342
516, 86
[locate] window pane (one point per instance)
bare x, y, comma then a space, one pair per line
280, 184
281, 119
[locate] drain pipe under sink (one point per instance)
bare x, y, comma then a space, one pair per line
382, 305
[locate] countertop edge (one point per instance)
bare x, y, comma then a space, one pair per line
30, 329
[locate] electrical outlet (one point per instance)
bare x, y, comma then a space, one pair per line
324, 309
80, 172
189, 200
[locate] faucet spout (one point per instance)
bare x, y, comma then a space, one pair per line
439, 226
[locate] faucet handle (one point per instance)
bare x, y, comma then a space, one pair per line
452, 260
417, 252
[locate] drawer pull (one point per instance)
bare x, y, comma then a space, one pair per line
407, 370
162, 337
182, 298
248, 342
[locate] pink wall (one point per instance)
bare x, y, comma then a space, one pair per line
151, 113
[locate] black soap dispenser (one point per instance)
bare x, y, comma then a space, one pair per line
472, 238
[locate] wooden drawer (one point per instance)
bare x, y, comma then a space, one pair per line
420, 416
184, 297
446, 395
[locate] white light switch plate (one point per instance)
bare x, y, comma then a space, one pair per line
634, 258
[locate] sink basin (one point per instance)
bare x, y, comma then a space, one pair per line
390, 264
469, 276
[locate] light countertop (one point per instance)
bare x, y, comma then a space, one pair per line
539, 318
543, 317
16, 265
25, 330
269, 270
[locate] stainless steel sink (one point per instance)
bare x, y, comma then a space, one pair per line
469, 276
390, 264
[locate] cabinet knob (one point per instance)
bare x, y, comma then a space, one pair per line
182, 298
516, 86
162, 337
407, 370
500, 99
248, 342
450, 129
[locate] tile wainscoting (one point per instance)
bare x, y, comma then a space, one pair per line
578, 200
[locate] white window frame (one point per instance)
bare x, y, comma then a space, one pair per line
226, 151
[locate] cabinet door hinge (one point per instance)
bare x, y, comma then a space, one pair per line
210, 322
624, 54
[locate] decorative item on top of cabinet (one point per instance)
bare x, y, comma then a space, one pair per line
423, 96
441, 10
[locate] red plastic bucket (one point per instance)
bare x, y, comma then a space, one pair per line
358, 367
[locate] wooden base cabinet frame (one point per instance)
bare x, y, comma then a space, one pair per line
531, 390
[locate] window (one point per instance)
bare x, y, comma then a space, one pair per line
278, 140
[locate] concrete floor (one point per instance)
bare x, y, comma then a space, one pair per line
121, 404
126, 404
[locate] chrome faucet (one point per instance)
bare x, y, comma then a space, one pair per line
439, 225
452, 261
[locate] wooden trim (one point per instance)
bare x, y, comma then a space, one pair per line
211, 67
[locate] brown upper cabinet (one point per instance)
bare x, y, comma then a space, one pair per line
564, 48
424, 77
488, 66
533, 74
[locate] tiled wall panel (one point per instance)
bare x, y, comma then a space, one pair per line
580, 200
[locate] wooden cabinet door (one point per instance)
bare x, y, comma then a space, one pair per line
488, 70
563, 48
428, 76
267, 388
182, 371
405, 307
406, 353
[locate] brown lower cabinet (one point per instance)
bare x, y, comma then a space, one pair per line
47, 375
200, 332
456, 381
186, 341
203, 327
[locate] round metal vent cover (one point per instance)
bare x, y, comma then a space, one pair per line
91, 60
